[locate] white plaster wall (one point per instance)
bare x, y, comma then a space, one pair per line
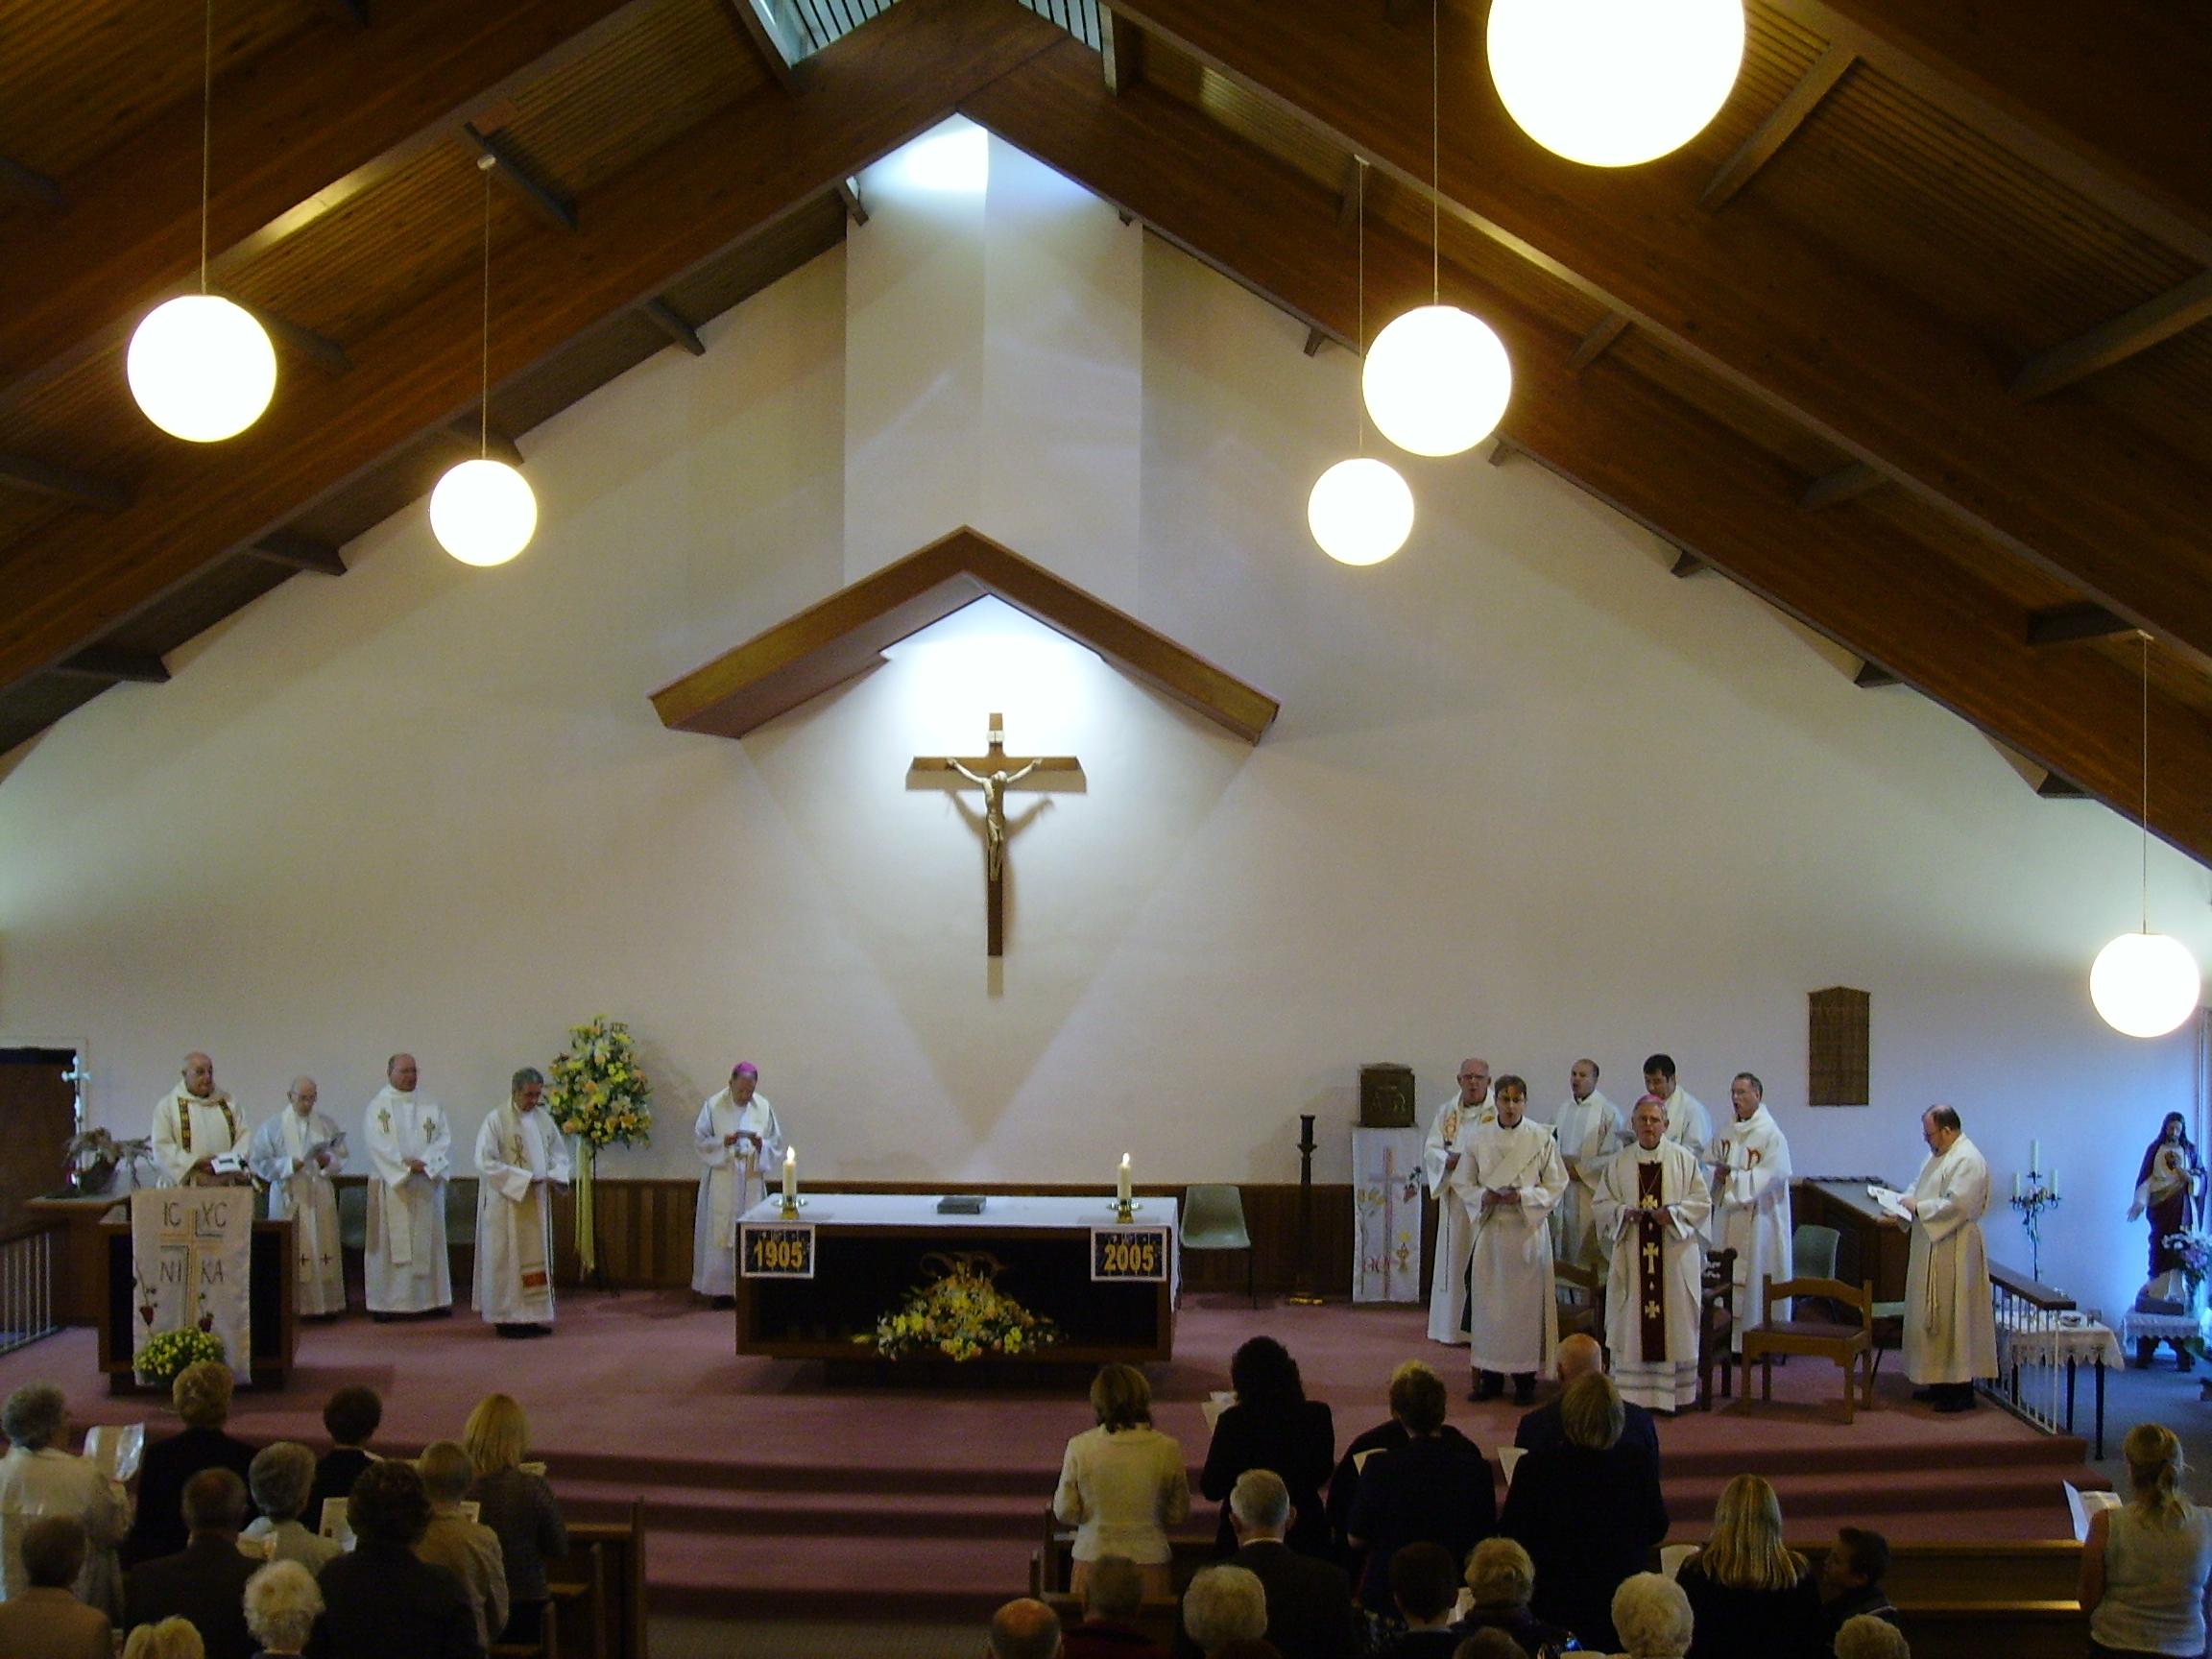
1529, 796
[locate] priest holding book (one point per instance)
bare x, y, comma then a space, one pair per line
198, 1138
737, 1136
295, 1153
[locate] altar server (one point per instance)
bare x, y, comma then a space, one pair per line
295, 1153
738, 1136
1751, 1202
1650, 1207
1687, 1122
410, 1153
1448, 1132
1950, 1330
1506, 1184
1590, 1131
194, 1124
521, 1158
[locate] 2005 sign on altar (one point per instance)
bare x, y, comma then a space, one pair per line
1129, 1253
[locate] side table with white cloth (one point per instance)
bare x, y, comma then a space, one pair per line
2145, 1330
1385, 1215
2029, 1338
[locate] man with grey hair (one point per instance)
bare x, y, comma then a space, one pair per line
1025, 1629
520, 1156
38, 1477
281, 1606
1651, 1616
1866, 1637
196, 1128
1225, 1603
279, 1477
295, 1153
410, 1152
1307, 1602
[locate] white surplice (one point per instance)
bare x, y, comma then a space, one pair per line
521, 1157
307, 1195
1589, 1132
1515, 1319
1689, 1124
407, 1270
1751, 1212
730, 1184
187, 1129
1950, 1330
1670, 1384
1448, 1133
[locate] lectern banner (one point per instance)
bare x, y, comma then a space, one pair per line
1386, 1215
190, 1250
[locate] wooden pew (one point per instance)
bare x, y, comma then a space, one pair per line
598, 1594
1156, 1620
1983, 1630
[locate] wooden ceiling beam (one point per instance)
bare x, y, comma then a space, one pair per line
113, 665
1751, 297
2118, 340
1872, 676
753, 29
37, 477
1882, 596
319, 350
1600, 339
499, 156
466, 434
299, 552
1124, 49
1847, 483
848, 199
671, 323
1779, 127
29, 184
740, 172
2063, 624
1687, 565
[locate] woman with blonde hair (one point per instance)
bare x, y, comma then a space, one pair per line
170, 1639
517, 1504
2144, 1564
1122, 1485
1751, 1596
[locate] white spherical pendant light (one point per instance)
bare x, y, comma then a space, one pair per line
200, 368
1613, 83
483, 512
1436, 380
1360, 512
2145, 984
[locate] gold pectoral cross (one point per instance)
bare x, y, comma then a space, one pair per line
994, 773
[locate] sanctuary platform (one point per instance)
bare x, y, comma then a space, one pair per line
771, 1492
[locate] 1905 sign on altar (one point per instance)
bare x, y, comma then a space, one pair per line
189, 1251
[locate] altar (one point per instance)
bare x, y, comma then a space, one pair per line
813, 1286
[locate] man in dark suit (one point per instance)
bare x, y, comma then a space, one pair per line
1309, 1600
382, 1602
1576, 1355
205, 1582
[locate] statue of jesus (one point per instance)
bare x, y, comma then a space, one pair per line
993, 786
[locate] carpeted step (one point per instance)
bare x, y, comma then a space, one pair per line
916, 1580
891, 1515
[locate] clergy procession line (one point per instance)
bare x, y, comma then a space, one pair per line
1639, 1202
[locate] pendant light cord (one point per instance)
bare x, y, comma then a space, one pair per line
206, 127
483, 381
1359, 326
2146, 639
1435, 159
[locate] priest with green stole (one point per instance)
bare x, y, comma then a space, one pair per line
521, 1157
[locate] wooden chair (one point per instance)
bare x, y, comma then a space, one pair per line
1849, 1342
1580, 1294
1716, 1321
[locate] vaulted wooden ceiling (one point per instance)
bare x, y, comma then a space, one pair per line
1907, 342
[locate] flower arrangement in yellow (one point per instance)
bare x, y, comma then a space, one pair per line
164, 1356
599, 1092
962, 1315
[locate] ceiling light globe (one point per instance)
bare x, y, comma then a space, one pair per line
2145, 984
483, 512
1614, 83
1436, 380
200, 368
1360, 512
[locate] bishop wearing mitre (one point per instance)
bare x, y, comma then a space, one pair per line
1751, 1203
1506, 1182
737, 1136
294, 1154
1449, 1132
521, 1157
194, 1125
410, 1152
1650, 1207
1590, 1132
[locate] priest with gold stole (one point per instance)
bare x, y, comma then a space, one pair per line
195, 1127
737, 1136
410, 1152
1506, 1182
1751, 1202
521, 1157
1652, 1208
1454, 1122
295, 1153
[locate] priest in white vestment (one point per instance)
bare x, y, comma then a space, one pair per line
1751, 1202
1950, 1327
295, 1153
1456, 1120
521, 1157
194, 1125
738, 1136
1506, 1184
1687, 1122
410, 1154
1652, 1208
1589, 1131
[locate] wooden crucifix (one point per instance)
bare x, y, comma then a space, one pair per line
994, 773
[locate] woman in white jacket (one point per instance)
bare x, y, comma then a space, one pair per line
1124, 1483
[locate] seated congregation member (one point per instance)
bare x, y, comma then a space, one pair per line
379, 1601
1123, 1483
1309, 1600
39, 1476
468, 1549
516, 1504
1865, 1636
44, 1619
1424, 1589
170, 1639
1752, 1596
1272, 1425
1542, 1427
1851, 1578
1110, 1599
279, 1478
2144, 1564
1588, 1512
1487, 1645
201, 1397
204, 1581
349, 1417
1225, 1604
1433, 1489
1501, 1579
1025, 1629
281, 1606
1653, 1618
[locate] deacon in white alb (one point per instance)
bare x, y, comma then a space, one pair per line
521, 1158
1687, 1122
1751, 1202
194, 1124
1950, 1330
297, 1152
1448, 1132
1590, 1132
738, 1136
1652, 1206
410, 1153
1506, 1184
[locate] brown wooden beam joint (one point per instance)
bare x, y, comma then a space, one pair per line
2063, 624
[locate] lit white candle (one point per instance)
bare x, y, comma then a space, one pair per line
1122, 1182
791, 1174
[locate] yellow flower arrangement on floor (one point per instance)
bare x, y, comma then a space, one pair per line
962, 1315
164, 1356
599, 1094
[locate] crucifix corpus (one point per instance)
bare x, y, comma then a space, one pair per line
994, 773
